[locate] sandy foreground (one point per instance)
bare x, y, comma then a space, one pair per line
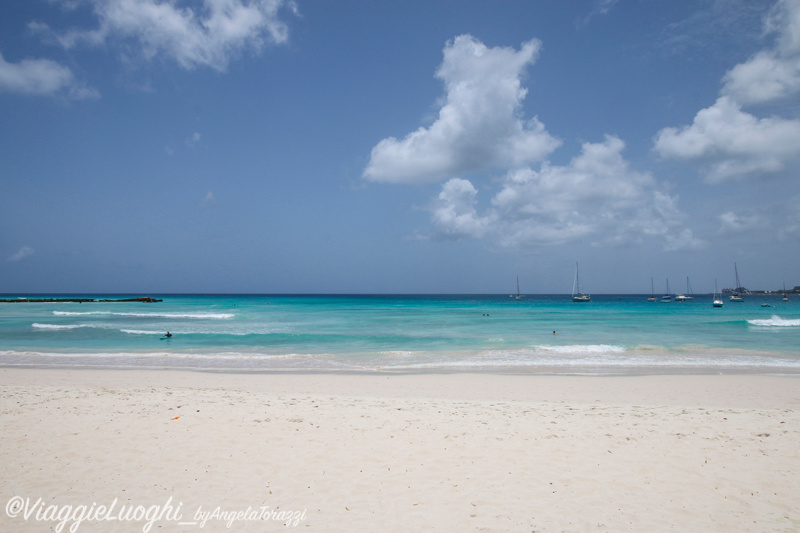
175, 451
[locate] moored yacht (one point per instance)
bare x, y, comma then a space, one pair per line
667, 298
717, 301
736, 297
652, 292
578, 296
688, 295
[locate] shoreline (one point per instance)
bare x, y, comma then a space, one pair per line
717, 389
451, 452
540, 371
543, 359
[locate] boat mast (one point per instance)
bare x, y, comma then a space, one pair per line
577, 282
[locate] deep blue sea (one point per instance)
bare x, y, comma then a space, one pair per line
612, 334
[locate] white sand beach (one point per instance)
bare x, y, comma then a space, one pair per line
448, 452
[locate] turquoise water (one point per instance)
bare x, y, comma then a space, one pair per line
613, 334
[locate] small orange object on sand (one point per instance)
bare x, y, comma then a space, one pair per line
177, 417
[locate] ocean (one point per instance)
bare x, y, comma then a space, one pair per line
545, 334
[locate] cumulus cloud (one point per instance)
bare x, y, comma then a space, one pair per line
736, 144
766, 77
771, 74
478, 126
597, 197
208, 34
455, 215
41, 77
23, 253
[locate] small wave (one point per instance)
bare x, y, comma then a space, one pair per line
582, 349
775, 321
58, 327
211, 316
132, 356
632, 363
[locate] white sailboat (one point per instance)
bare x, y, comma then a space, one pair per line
717, 301
688, 295
652, 292
667, 298
735, 297
518, 296
578, 296
785, 298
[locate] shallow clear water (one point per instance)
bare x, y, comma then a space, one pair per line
611, 334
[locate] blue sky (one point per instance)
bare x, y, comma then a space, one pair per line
263, 146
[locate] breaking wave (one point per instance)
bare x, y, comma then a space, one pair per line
775, 321
58, 327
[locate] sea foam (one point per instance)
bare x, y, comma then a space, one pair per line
583, 349
210, 316
775, 321
60, 327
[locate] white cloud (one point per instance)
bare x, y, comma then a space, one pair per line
23, 253
734, 143
600, 7
775, 73
730, 222
454, 215
41, 77
597, 197
764, 78
478, 126
208, 34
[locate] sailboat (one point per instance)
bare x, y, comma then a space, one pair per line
735, 296
667, 298
785, 298
688, 296
652, 292
717, 300
518, 296
578, 296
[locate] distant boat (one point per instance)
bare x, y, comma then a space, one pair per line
518, 296
785, 298
717, 301
735, 297
688, 296
667, 298
652, 292
578, 296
